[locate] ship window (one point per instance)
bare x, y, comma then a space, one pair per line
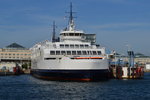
84, 53
52, 52
63, 52
94, 53
79, 52
81, 46
89, 52
71, 46
86, 46
77, 34
77, 46
68, 52
49, 58
66, 46
61, 46
97, 45
99, 52
71, 34
73, 52
57, 52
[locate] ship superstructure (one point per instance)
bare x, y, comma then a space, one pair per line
73, 56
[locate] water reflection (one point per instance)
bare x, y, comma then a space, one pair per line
26, 87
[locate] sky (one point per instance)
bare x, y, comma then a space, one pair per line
118, 24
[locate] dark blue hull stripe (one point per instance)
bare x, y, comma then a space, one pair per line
87, 75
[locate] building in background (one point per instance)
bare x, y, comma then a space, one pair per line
14, 54
138, 58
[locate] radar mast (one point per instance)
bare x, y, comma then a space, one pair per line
54, 32
71, 21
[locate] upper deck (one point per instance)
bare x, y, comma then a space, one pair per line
67, 45
71, 42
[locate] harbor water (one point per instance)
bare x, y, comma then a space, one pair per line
26, 87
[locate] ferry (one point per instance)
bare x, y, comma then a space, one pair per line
73, 56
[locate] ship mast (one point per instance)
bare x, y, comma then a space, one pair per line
54, 32
71, 21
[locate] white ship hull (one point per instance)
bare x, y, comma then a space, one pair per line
72, 69
71, 64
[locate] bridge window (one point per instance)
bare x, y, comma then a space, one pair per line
76, 34
71, 34
65, 34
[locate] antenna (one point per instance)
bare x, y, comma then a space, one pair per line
54, 32
71, 21
71, 16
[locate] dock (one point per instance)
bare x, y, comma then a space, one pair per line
124, 72
127, 70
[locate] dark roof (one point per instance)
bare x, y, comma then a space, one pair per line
15, 46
